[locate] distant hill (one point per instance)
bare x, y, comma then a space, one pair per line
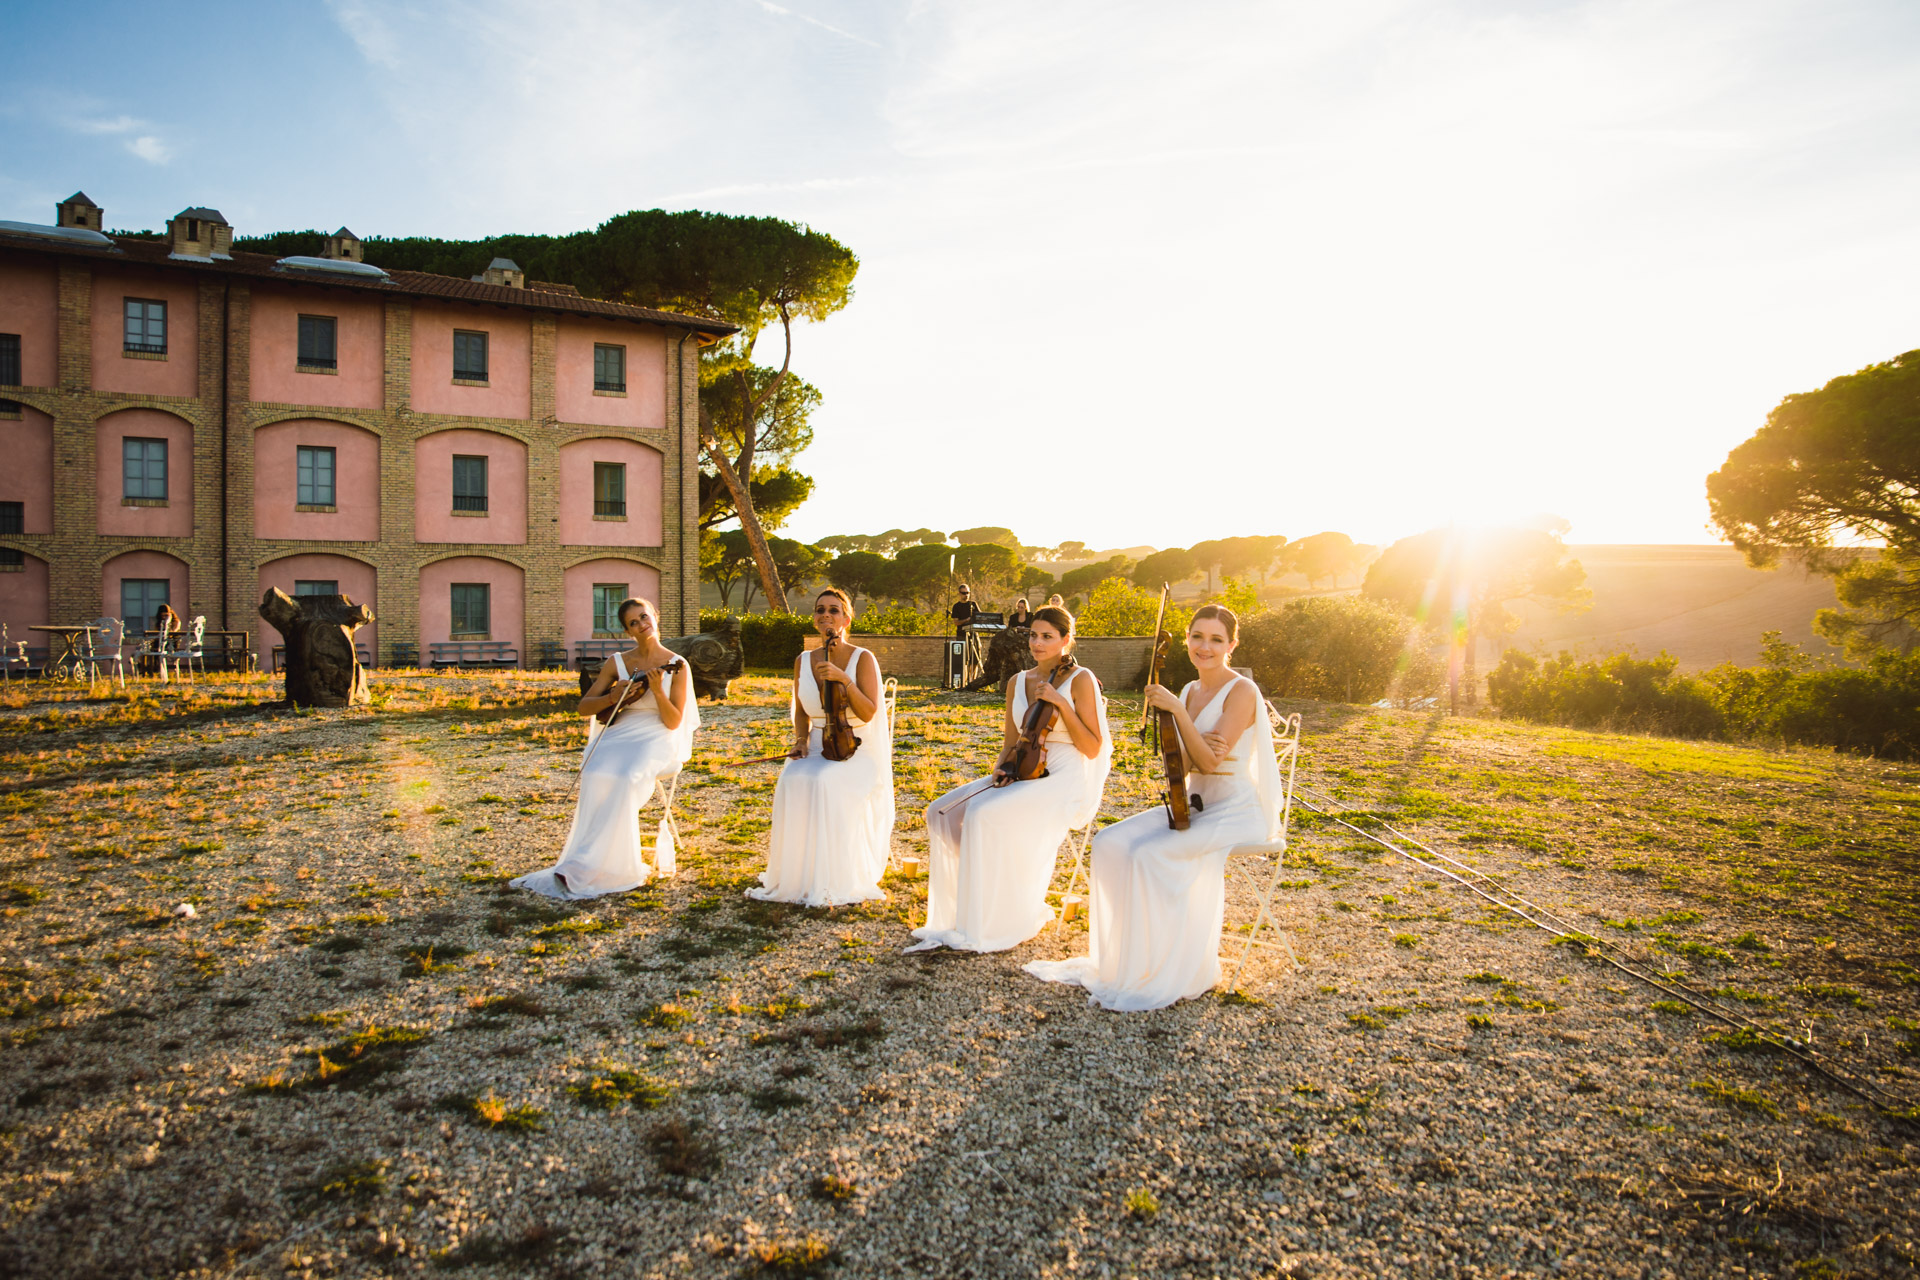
1702, 604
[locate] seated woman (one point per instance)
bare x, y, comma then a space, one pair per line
832, 819
650, 690
993, 842
1022, 615
1158, 895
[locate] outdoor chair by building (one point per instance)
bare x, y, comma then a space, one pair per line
1259, 865
107, 648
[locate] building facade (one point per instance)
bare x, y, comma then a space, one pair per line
486, 459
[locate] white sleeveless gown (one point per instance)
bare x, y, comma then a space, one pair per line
604, 853
1159, 895
991, 854
832, 819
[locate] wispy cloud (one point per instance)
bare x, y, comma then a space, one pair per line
368, 31
117, 124
842, 32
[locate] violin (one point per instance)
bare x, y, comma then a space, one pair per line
837, 740
1028, 758
1164, 731
636, 690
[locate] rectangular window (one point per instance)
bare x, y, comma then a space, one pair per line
11, 559
610, 488
140, 599
469, 356
146, 326
609, 367
316, 587
314, 466
13, 517
145, 468
469, 483
9, 359
316, 342
471, 609
606, 607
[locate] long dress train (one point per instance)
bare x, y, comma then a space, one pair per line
1159, 895
992, 849
832, 819
628, 759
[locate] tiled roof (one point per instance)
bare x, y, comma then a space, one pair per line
416, 284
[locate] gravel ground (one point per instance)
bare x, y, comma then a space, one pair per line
363, 1056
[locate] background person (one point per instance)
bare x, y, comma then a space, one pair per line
963, 611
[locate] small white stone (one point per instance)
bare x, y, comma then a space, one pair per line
185, 911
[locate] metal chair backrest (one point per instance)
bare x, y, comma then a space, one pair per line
891, 696
199, 633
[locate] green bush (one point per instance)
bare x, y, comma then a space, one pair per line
767, 639
1788, 698
1619, 692
901, 619
1337, 648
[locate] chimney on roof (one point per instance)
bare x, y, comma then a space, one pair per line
199, 235
503, 271
78, 211
342, 246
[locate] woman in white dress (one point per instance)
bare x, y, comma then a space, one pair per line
832, 819
993, 842
650, 738
1158, 895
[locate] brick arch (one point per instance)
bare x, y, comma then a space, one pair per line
358, 579
642, 524
277, 510
435, 519
474, 424
267, 418
115, 517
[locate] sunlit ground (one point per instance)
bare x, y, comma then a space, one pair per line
363, 1055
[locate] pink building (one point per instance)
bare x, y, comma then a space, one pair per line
489, 463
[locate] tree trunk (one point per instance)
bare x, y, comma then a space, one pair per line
322, 668
749, 522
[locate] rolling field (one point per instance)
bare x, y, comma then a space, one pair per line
364, 1055
1701, 604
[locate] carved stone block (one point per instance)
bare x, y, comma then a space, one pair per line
322, 668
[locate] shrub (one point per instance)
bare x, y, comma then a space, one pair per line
1338, 648
1788, 698
901, 619
767, 639
1118, 608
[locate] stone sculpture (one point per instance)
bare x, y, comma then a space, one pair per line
322, 668
1007, 656
715, 656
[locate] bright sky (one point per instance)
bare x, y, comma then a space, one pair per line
1132, 272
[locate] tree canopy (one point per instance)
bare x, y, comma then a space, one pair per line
1175, 564
1841, 464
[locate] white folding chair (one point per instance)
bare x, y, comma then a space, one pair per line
1268, 859
193, 648
13, 653
666, 841
1082, 840
108, 643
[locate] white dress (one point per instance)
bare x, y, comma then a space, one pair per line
622, 765
1158, 895
832, 819
992, 849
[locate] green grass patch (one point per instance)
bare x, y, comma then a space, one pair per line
1737, 1098
609, 1086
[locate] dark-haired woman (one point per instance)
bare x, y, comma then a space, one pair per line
1158, 895
993, 842
650, 738
832, 819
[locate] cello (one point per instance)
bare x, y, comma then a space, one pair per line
837, 739
1164, 732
